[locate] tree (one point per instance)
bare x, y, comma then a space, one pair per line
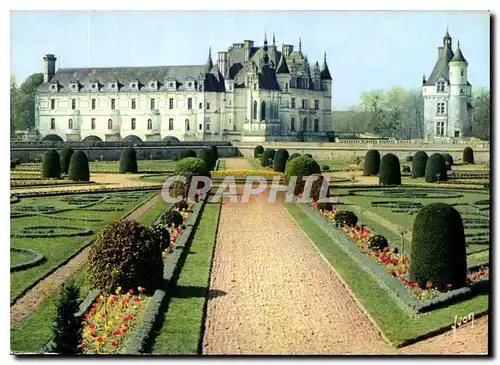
372, 103
67, 327
481, 113
13, 99
24, 102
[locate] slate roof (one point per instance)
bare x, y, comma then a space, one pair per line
441, 68
458, 57
282, 66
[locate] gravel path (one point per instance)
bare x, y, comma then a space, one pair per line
30, 302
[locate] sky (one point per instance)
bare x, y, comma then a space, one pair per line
365, 50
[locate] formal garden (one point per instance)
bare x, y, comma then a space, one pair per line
131, 272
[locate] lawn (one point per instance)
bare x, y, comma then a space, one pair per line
180, 333
58, 249
399, 325
110, 166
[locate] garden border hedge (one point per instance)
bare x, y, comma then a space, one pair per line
384, 278
86, 191
38, 259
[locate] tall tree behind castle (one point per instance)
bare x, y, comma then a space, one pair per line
22, 103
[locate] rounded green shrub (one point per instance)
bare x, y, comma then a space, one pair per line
188, 153
468, 156
327, 206
438, 250
128, 161
390, 170
79, 167
292, 156
280, 158
182, 205
448, 159
65, 156
371, 165
308, 155
258, 151
435, 169
301, 167
193, 165
345, 218
378, 242
172, 218
67, 328
179, 188
51, 166
406, 169
215, 151
418, 164
207, 155
267, 157
325, 168
129, 255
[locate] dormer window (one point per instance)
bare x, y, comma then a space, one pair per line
93, 86
134, 85
74, 86
53, 87
171, 84
190, 84
440, 86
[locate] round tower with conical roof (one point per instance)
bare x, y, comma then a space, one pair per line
460, 123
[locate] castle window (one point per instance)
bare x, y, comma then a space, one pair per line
133, 104
200, 126
150, 124
113, 104
70, 124
304, 104
152, 104
440, 108
187, 124
132, 124
53, 87
440, 129
94, 86
190, 103
207, 127
316, 125
93, 104
73, 104
152, 85
171, 84
304, 124
286, 87
461, 91
461, 72
52, 123
110, 123
170, 124
440, 86
171, 103
208, 106
133, 86
255, 109
457, 134
52, 104
293, 103
92, 123
200, 88
190, 84
255, 86
73, 86
263, 110
316, 104
292, 125
201, 106
113, 86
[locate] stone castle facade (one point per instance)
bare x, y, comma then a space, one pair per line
447, 96
249, 94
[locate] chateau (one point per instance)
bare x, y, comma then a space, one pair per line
250, 94
447, 95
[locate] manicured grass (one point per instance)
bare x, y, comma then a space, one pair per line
58, 249
181, 330
36, 329
17, 257
110, 166
334, 164
254, 163
398, 325
154, 212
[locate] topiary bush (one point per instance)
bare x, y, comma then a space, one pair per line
179, 188
67, 328
316, 187
188, 153
51, 166
193, 165
172, 218
65, 157
308, 155
207, 155
182, 205
406, 170
280, 158
267, 157
418, 164
390, 170
438, 250
301, 167
435, 166
377, 242
79, 167
325, 168
345, 218
468, 156
327, 206
128, 161
258, 151
371, 165
292, 156
448, 159
215, 151
129, 255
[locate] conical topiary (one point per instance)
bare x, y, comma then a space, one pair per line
438, 250
79, 167
188, 153
280, 158
435, 169
65, 156
207, 155
51, 166
448, 159
66, 329
215, 151
128, 161
418, 164
390, 170
468, 156
267, 157
372, 163
258, 151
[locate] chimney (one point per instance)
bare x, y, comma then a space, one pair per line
248, 49
49, 67
222, 62
287, 49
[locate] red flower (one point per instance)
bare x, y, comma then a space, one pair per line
125, 325
448, 286
93, 310
393, 273
96, 351
92, 326
117, 333
83, 345
100, 340
428, 285
89, 315
84, 323
401, 271
137, 299
114, 343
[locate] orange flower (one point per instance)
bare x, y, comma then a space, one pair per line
429, 285
114, 343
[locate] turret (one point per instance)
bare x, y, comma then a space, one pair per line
283, 74
209, 65
49, 67
326, 78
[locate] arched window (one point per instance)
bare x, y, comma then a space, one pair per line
150, 124
187, 125
112, 104
304, 125
263, 110
316, 125
70, 124
255, 109
110, 124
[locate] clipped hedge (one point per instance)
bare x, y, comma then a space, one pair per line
371, 165
79, 167
65, 156
468, 155
438, 250
128, 161
435, 166
292, 156
215, 151
258, 151
345, 218
267, 157
172, 218
301, 167
193, 165
390, 170
280, 158
51, 166
378, 242
448, 159
418, 164
188, 153
207, 155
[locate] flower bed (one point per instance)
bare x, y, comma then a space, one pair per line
391, 267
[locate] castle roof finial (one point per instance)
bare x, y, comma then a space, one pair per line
300, 45
274, 40
209, 64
